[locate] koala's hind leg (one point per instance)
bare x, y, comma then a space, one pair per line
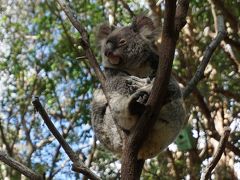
137, 102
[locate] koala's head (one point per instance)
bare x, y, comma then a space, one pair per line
127, 47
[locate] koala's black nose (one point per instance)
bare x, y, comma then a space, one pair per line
108, 49
108, 52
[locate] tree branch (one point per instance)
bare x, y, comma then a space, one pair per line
206, 58
84, 42
126, 6
216, 157
78, 165
233, 20
19, 166
130, 164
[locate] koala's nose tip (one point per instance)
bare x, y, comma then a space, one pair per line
108, 52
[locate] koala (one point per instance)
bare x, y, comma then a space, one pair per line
130, 62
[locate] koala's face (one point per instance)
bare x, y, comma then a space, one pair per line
127, 47
118, 47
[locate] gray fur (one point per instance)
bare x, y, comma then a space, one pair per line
129, 87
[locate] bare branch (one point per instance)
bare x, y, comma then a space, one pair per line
19, 166
206, 58
216, 157
84, 41
126, 6
230, 17
78, 165
229, 145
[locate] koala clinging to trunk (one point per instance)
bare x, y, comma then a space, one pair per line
130, 61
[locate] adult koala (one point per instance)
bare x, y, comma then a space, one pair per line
130, 60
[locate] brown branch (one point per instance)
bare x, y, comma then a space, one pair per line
206, 58
84, 42
126, 6
57, 151
78, 165
216, 157
229, 52
131, 166
19, 166
233, 20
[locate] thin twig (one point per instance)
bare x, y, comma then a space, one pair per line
216, 157
206, 58
78, 165
126, 6
19, 166
230, 17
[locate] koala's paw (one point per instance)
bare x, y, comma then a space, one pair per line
134, 83
137, 102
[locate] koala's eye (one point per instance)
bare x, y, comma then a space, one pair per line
122, 42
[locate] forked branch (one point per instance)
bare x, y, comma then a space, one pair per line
84, 42
78, 165
216, 157
206, 58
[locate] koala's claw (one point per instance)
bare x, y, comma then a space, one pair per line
135, 83
141, 97
142, 81
137, 103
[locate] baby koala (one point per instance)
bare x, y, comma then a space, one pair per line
129, 59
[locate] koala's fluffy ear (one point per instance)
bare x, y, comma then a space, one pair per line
103, 31
142, 23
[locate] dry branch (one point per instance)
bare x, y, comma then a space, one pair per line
206, 58
78, 165
84, 41
230, 17
216, 157
19, 166
126, 6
